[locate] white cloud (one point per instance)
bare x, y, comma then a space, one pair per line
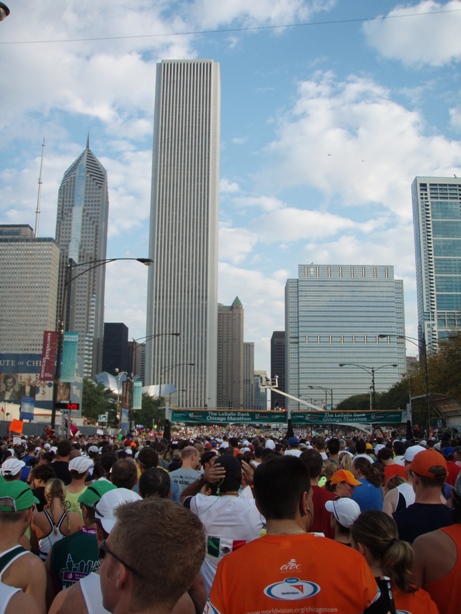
235, 244
429, 38
455, 117
353, 143
228, 187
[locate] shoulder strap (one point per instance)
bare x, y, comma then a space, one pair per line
9, 556
61, 520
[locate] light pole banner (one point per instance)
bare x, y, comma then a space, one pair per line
27, 408
49, 350
124, 421
69, 357
137, 394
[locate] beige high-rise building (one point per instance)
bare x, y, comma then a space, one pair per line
230, 355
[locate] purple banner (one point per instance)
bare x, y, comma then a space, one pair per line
49, 348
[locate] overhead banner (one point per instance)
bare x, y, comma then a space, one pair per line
49, 350
191, 416
355, 417
224, 417
69, 357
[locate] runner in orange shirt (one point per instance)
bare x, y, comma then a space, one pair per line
295, 571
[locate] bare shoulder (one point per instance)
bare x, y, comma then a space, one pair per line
20, 602
69, 601
431, 540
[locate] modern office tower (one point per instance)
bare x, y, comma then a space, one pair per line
116, 353
248, 375
260, 393
278, 401
437, 227
183, 281
136, 352
29, 272
81, 233
230, 355
335, 314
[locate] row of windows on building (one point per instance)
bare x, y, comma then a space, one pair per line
330, 339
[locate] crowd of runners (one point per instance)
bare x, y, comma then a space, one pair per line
231, 521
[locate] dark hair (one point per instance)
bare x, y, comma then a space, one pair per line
360, 446
207, 456
64, 448
233, 479
124, 474
148, 458
399, 447
378, 532
43, 473
155, 482
385, 454
312, 459
333, 445
372, 474
279, 484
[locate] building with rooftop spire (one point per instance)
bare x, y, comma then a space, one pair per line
81, 233
230, 355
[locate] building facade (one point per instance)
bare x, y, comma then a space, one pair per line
248, 374
335, 314
278, 401
116, 351
29, 272
260, 392
81, 233
182, 292
230, 355
437, 227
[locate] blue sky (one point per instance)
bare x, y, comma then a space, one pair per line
324, 124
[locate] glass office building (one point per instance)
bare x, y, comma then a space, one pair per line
335, 314
437, 227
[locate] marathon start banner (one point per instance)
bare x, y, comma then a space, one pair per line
200, 416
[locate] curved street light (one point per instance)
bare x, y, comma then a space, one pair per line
91, 264
4, 11
371, 371
326, 390
145, 340
422, 348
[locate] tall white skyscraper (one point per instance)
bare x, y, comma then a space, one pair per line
437, 226
183, 279
81, 233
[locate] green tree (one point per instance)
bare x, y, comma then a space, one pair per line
149, 412
96, 400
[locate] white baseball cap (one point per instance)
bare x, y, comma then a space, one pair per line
411, 452
109, 502
12, 466
80, 464
345, 510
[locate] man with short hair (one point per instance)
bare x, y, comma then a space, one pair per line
61, 464
428, 472
124, 474
293, 447
188, 472
19, 568
289, 569
153, 577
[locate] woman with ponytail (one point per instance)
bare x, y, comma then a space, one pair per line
370, 495
54, 522
374, 534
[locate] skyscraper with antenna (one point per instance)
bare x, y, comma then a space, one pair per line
81, 233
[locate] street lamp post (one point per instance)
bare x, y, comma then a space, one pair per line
326, 390
166, 433
422, 349
4, 11
62, 324
145, 340
371, 371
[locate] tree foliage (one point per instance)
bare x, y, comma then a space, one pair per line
443, 371
96, 400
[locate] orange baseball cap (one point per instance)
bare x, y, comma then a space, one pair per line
343, 475
424, 461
